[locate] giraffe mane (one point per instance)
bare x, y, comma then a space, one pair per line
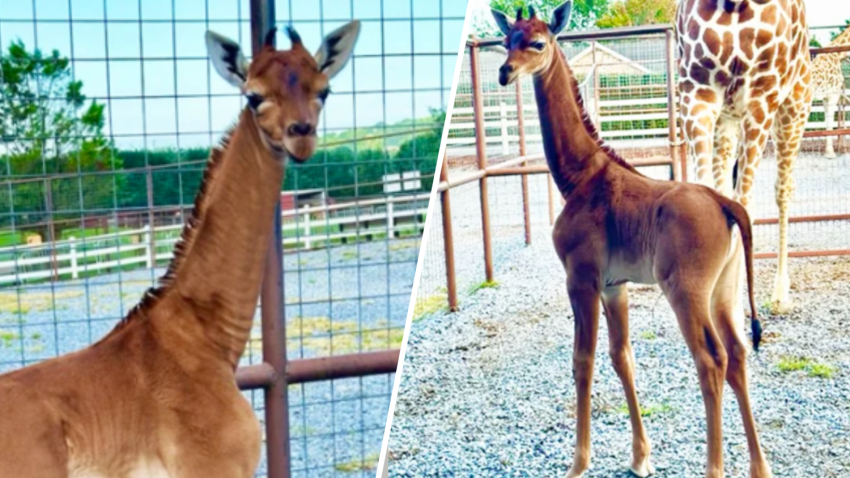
587, 122
187, 236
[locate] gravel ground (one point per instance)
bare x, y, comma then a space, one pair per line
364, 290
488, 391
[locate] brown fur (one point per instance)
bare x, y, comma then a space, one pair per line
619, 226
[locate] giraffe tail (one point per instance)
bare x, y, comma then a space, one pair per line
738, 213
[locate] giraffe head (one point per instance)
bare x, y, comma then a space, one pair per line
285, 89
530, 42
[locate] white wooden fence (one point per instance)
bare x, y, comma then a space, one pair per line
305, 228
502, 117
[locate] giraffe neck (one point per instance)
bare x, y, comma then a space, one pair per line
569, 139
218, 272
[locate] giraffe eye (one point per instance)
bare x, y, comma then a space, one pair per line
537, 45
254, 100
323, 95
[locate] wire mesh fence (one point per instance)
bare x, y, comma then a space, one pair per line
109, 113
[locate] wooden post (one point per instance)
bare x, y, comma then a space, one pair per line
673, 134
150, 251
597, 113
151, 220
481, 151
307, 242
526, 211
391, 218
448, 239
75, 272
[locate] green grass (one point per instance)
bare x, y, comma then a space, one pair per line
426, 306
648, 335
822, 370
368, 463
804, 364
487, 284
8, 338
647, 411
794, 364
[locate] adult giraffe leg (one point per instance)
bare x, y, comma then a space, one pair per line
830, 105
584, 295
700, 113
615, 302
724, 313
788, 135
727, 138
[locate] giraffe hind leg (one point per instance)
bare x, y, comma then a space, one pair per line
788, 135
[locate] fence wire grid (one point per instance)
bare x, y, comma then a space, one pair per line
92, 202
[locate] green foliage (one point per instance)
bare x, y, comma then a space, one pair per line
48, 128
584, 15
834, 35
627, 13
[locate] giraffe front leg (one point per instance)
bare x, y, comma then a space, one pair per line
788, 134
830, 104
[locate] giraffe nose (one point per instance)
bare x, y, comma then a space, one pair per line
301, 129
505, 74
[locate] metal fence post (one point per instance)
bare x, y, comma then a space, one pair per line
522, 152
671, 106
271, 298
448, 238
481, 151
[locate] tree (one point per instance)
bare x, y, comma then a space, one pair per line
627, 13
584, 15
47, 127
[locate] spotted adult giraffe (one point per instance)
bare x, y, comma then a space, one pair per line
744, 75
157, 397
829, 83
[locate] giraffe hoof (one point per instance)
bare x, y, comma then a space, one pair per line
643, 470
830, 155
576, 471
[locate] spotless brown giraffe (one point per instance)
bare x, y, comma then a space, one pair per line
157, 397
829, 83
745, 74
618, 226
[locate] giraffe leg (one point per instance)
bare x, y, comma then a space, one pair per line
729, 327
830, 105
694, 317
727, 137
615, 301
584, 298
788, 134
700, 113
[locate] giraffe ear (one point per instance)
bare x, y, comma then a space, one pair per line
561, 17
505, 24
337, 47
227, 58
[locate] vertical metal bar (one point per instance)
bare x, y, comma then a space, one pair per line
481, 151
448, 239
522, 152
671, 106
151, 215
271, 298
550, 189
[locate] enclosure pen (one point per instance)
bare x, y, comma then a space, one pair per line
94, 200
627, 78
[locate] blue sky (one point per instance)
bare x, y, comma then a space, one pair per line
404, 60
